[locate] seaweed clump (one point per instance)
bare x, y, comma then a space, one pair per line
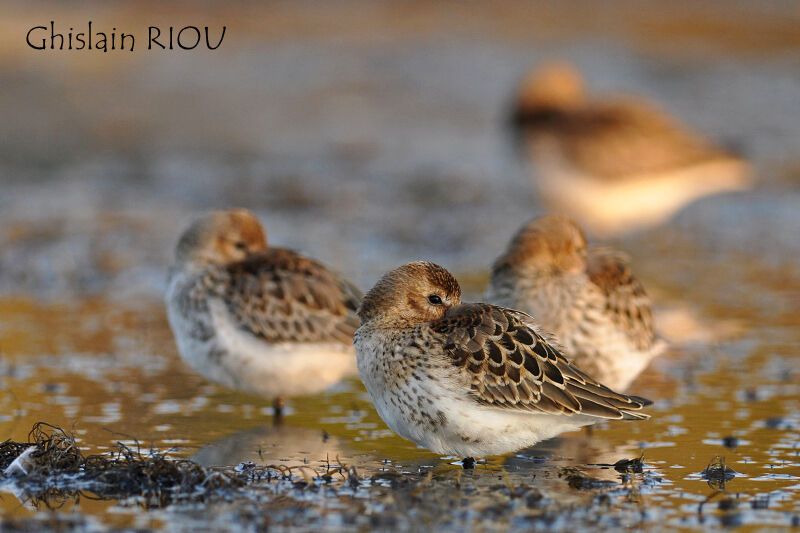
52, 464
717, 473
49, 450
630, 466
626, 466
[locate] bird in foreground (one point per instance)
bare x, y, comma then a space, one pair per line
255, 318
588, 298
470, 379
615, 164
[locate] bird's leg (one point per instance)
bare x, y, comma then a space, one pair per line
277, 409
468, 463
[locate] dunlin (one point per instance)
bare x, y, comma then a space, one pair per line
469, 379
255, 318
587, 297
615, 164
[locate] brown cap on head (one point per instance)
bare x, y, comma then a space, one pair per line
550, 244
556, 85
411, 294
222, 237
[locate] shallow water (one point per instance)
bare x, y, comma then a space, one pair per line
114, 374
401, 156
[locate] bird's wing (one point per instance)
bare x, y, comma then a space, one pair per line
626, 301
619, 139
281, 296
510, 365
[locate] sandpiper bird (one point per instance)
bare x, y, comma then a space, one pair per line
255, 318
615, 164
588, 298
469, 379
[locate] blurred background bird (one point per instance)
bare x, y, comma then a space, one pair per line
255, 318
588, 297
615, 164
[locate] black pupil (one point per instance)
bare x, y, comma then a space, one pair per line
434, 299
240, 245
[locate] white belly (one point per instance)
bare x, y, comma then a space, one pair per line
234, 358
611, 207
441, 415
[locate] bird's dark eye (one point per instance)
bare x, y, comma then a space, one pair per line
240, 245
434, 299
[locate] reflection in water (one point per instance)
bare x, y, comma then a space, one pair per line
43, 499
276, 444
584, 450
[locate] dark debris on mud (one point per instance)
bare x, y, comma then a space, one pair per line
717, 473
52, 464
580, 481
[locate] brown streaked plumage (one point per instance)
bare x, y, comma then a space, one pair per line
415, 278
553, 242
221, 237
615, 164
512, 365
280, 296
587, 297
469, 379
626, 300
261, 319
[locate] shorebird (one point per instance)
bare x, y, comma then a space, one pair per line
617, 164
470, 379
256, 318
587, 297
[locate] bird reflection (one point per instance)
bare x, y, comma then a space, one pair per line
275, 444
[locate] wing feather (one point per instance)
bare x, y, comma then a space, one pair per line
509, 364
626, 301
281, 296
622, 138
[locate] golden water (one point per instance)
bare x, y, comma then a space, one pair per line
110, 372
